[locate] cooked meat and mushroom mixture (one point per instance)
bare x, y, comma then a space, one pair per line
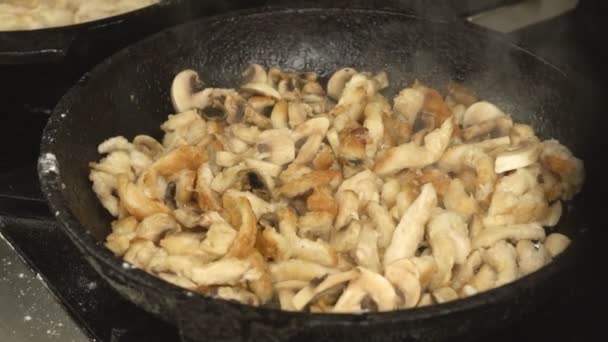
37, 14
282, 192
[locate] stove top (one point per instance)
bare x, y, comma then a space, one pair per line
104, 316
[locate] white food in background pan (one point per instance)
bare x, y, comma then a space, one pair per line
38, 14
335, 202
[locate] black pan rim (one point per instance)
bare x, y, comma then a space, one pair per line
51, 188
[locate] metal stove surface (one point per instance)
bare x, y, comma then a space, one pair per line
102, 315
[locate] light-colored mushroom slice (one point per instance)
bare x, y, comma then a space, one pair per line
276, 146
186, 91
286, 299
104, 186
297, 269
322, 199
518, 158
458, 200
228, 271
218, 239
376, 286
279, 116
297, 112
466, 271
236, 294
409, 232
183, 157
366, 252
350, 300
262, 286
444, 294
227, 158
468, 291
307, 182
479, 112
404, 275
207, 198
309, 149
261, 89
346, 239
389, 192
558, 158
408, 103
484, 279
123, 231
410, 155
258, 205
489, 145
556, 243
263, 167
317, 287
499, 126
155, 226
382, 220
141, 252
240, 214
475, 226
227, 178
316, 224
365, 185
115, 163
448, 237
338, 80
291, 285
503, 258
469, 156
553, 215
490, 235
249, 134
317, 125
425, 300
135, 201
529, 257
184, 187
254, 73
518, 199
354, 98
348, 208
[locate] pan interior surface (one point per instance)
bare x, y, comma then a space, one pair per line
129, 93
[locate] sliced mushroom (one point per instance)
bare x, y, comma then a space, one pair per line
135, 201
530, 258
262, 89
412, 156
254, 73
297, 269
338, 80
307, 182
383, 222
469, 156
408, 104
366, 252
350, 300
276, 146
555, 243
404, 275
503, 258
410, 230
466, 271
479, 112
186, 91
123, 231
155, 226
308, 293
444, 294
346, 239
518, 158
490, 235
484, 279
348, 208
228, 271
251, 180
